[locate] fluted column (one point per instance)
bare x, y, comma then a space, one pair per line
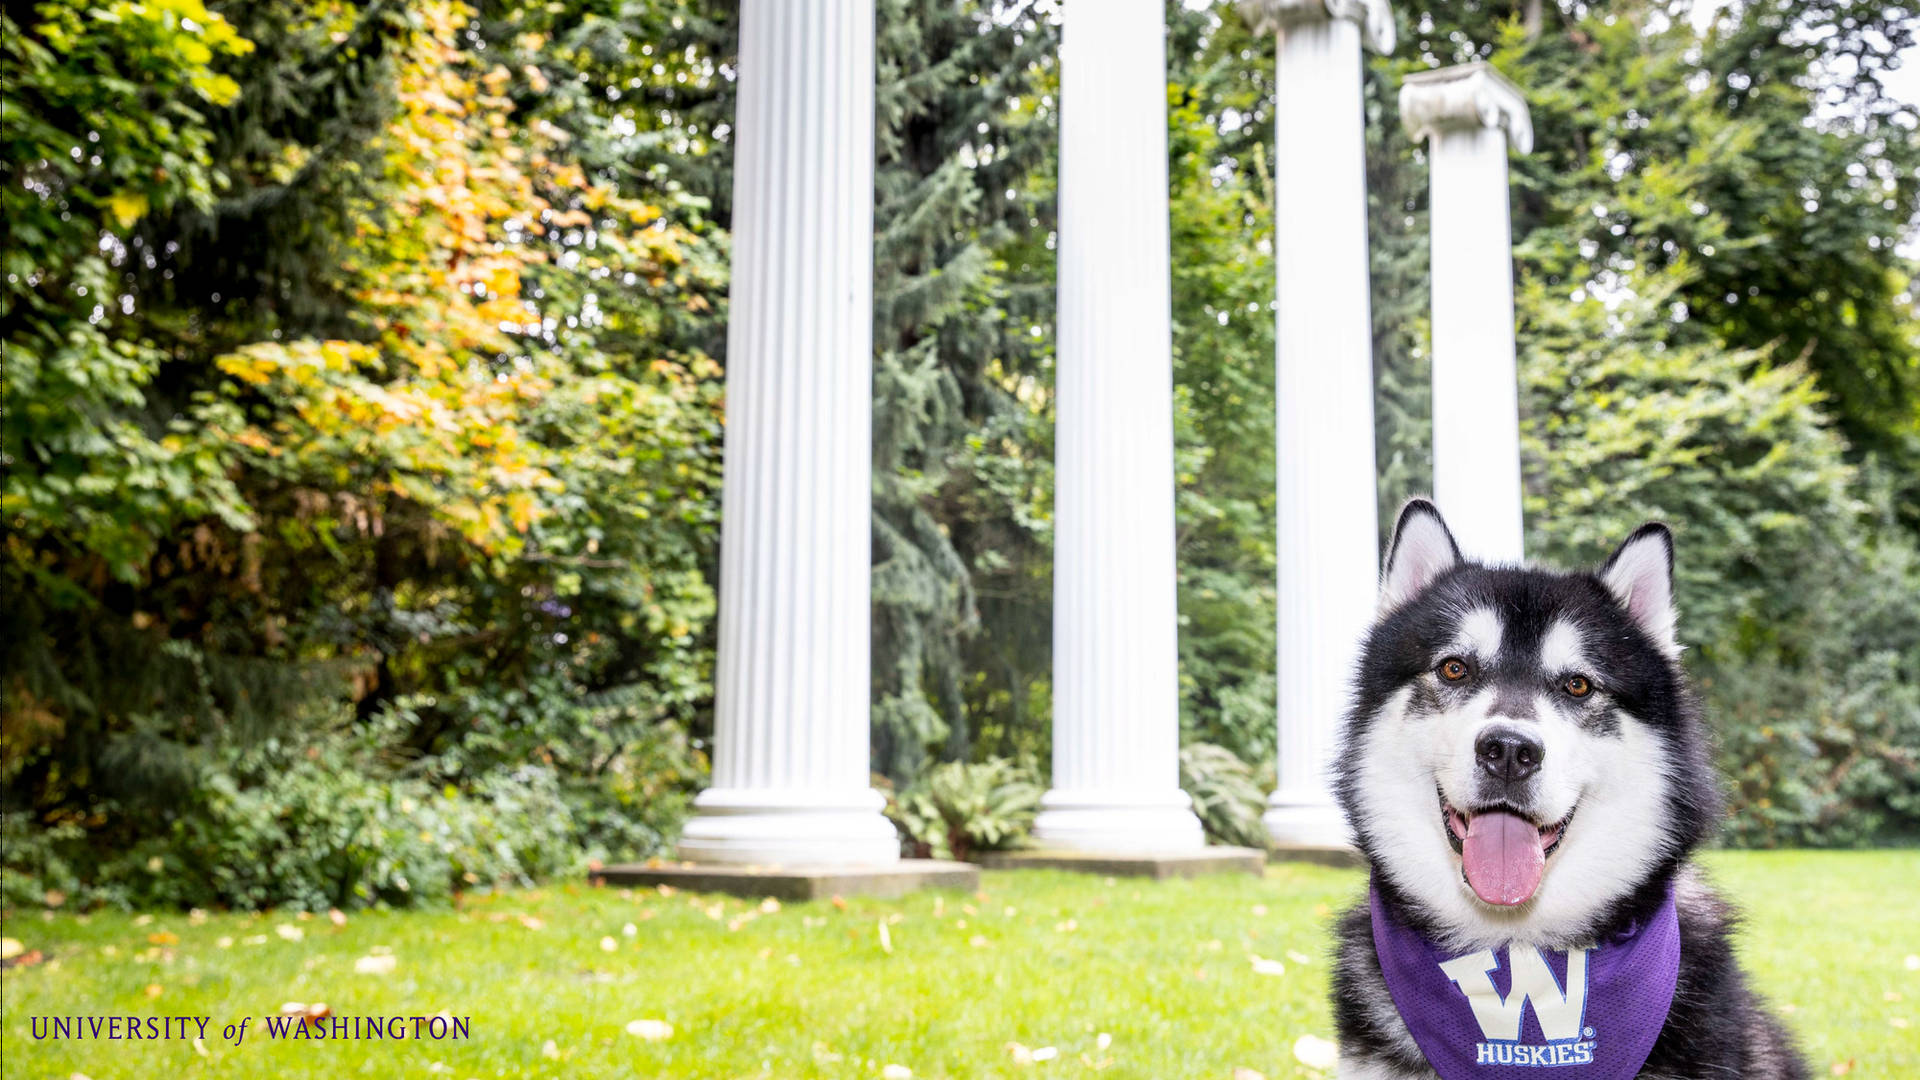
1116, 708
1328, 520
791, 708
1468, 115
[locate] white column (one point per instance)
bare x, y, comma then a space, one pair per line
791, 686
1469, 114
1116, 707
1328, 521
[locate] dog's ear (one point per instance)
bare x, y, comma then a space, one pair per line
1640, 576
1422, 550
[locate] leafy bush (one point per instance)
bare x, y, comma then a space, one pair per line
1228, 794
312, 826
955, 809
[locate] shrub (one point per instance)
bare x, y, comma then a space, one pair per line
961, 807
306, 825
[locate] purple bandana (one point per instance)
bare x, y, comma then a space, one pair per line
1589, 1014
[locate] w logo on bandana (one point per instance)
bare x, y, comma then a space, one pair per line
1561, 1013
1516, 1012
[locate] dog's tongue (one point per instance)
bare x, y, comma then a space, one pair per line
1504, 857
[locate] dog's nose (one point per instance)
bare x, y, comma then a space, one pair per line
1508, 754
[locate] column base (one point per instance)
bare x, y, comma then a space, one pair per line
1304, 822
1117, 822
790, 827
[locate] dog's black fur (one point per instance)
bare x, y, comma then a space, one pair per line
1716, 1026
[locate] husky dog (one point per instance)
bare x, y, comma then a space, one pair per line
1525, 768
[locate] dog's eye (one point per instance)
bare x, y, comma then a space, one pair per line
1578, 686
1454, 669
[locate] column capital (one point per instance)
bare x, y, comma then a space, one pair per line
1464, 97
1375, 17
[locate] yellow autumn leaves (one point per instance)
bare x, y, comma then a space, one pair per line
435, 409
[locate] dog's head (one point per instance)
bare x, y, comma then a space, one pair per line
1523, 754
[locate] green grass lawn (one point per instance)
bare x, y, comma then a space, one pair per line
551, 979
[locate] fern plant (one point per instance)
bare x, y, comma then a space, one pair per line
1226, 792
956, 809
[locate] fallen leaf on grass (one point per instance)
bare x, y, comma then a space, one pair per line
1299, 957
886, 939
200, 1047
532, 922
1842, 1068
287, 932
651, 1030
978, 941
1021, 1055
375, 965
1248, 1074
163, 938
1264, 966
337, 917
629, 930
223, 943
154, 990
839, 901
608, 944
1315, 1052
896, 1072
10, 948
26, 959
769, 906
1046, 1053
1913, 961
550, 1051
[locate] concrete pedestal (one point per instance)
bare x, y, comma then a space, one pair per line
798, 882
1147, 864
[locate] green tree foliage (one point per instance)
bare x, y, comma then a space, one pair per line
960, 458
447, 456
